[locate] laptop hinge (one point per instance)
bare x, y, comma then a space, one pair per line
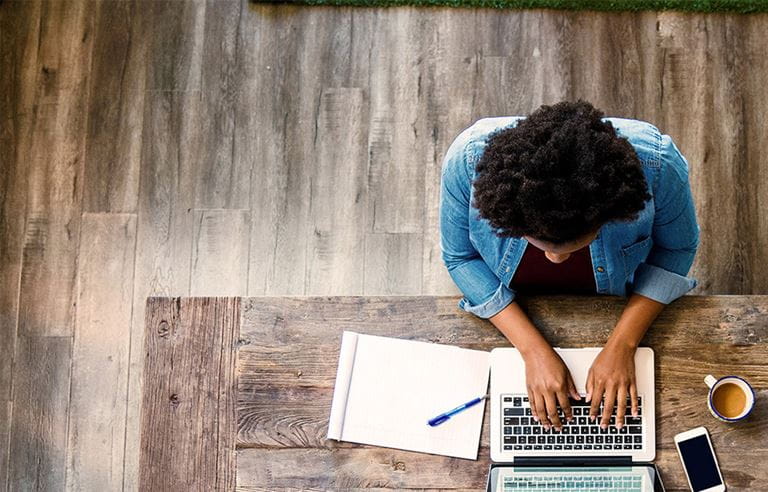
575, 461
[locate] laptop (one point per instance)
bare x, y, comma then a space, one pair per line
582, 456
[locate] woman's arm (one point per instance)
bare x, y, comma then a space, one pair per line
547, 378
613, 372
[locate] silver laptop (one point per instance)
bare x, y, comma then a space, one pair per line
582, 456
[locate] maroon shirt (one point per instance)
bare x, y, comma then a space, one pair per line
537, 275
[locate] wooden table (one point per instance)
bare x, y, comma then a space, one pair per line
237, 392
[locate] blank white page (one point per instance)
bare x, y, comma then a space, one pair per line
397, 385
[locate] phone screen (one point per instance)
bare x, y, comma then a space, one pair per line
699, 462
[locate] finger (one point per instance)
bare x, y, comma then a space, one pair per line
572, 389
610, 399
621, 406
551, 403
542, 410
633, 397
596, 396
532, 403
590, 385
565, 405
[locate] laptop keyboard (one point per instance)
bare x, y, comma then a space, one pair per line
587, 482
520, 432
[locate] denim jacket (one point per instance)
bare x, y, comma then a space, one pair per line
650, 256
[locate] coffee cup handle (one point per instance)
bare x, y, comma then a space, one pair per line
710, 380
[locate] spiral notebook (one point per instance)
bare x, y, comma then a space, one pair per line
387, 388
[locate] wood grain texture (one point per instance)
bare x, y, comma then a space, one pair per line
270, 137
54, 162
164, 233
188, 425
116, 93
221, 181
220, 252
100, 354
41, 380
397, 124
14, 123
287, 367
393, 264
170, 135
6, 412
337, 196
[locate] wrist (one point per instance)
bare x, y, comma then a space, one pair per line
535, 348
622, 343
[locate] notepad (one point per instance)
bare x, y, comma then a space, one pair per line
388, 388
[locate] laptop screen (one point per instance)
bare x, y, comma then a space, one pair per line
554, 478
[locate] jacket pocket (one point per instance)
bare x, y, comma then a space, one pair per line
634, 254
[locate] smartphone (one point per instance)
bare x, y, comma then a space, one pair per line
699, 461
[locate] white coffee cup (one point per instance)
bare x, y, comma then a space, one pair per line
744, 386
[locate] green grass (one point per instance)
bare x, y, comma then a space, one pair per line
736, 6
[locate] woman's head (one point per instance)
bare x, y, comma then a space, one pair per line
558, 176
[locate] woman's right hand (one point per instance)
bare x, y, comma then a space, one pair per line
549, 383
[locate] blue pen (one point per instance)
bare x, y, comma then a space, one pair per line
450, 413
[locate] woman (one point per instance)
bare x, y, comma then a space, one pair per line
567, 201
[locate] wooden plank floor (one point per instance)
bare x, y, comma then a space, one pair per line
176, 148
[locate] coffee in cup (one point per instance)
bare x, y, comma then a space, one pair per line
730, 398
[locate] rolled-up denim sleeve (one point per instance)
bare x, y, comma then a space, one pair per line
663, 275
484, 294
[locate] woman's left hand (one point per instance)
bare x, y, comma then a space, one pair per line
612, 375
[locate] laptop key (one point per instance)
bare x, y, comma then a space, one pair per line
638, 446
538, 448
507, 399
585, 430
635, 429
510, 439
527, 447
526, 430
513, 411
507, 430
634, 420
518, 447
599, 439
548, 447
558, 447
525, 421
627, 446
541, 440
587, 446
638, 439
560, 439
567, 446
517, 401
577, 446
507, 448
598, 447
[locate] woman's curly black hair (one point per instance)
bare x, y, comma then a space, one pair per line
558, 175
